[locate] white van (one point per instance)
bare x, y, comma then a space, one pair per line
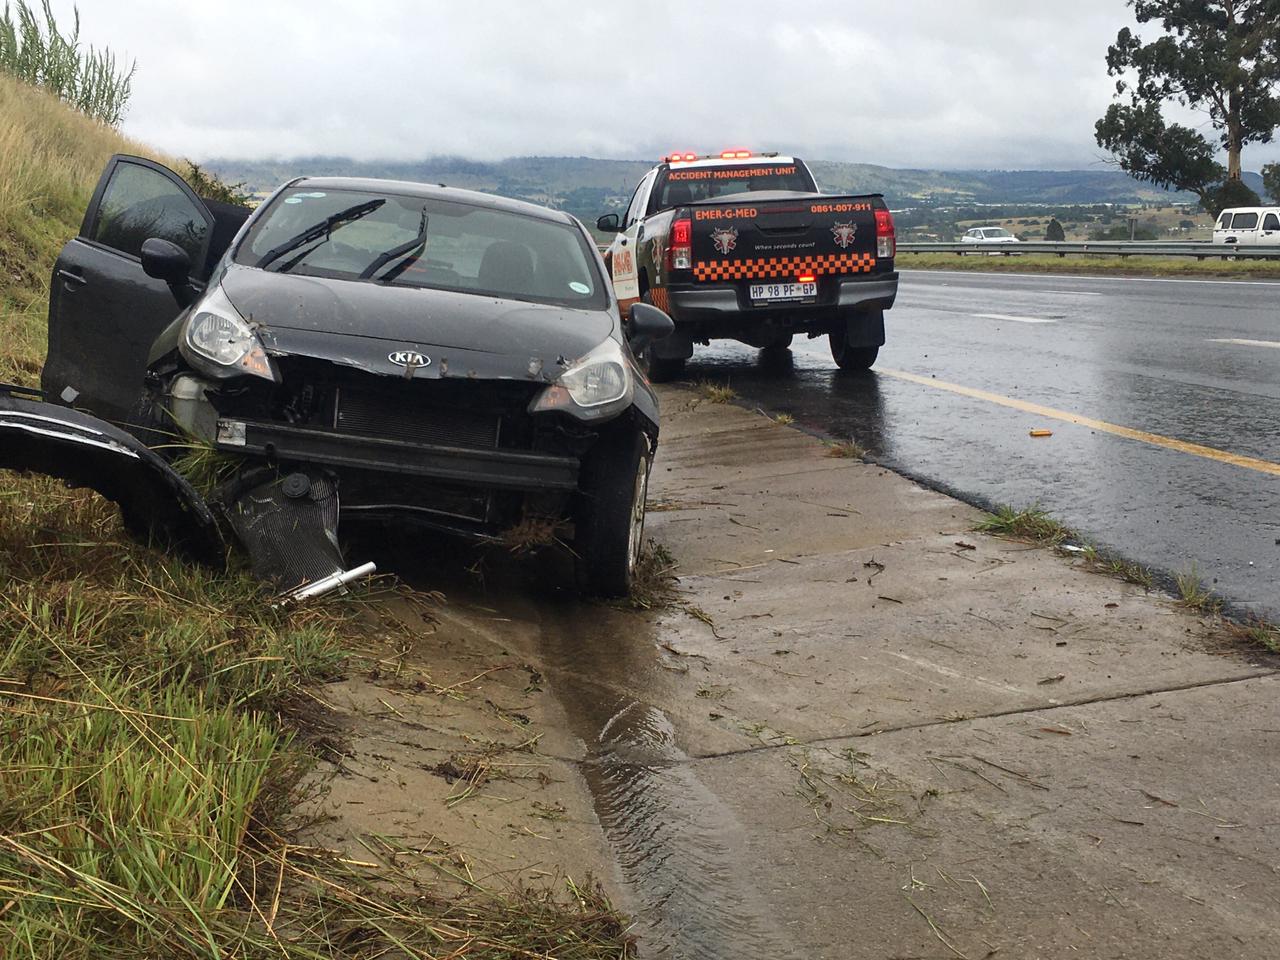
1248, 226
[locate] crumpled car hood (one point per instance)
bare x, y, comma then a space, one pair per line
361, 324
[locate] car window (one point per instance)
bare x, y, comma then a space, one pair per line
1244, 221
1272, 222
139, 203
1224, 223
636, 208
469, 248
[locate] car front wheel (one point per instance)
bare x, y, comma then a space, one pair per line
614, 485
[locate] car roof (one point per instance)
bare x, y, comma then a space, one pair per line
435, 191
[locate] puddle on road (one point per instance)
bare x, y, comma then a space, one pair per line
679, 847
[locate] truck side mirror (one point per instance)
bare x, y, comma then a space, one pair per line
648, 324
165, 260
609, 223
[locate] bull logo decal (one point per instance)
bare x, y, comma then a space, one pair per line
844, 234
725, 239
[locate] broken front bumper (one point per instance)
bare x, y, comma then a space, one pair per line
84, 451
494, 469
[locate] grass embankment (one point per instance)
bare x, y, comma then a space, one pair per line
154, 716
1084, 264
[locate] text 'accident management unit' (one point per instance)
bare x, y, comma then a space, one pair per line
428, 354
742, 246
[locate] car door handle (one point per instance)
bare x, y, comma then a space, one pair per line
73, 278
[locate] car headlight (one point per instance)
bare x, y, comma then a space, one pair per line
593, 388
219, 342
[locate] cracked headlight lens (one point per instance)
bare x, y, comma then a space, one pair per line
218, 341
592, 388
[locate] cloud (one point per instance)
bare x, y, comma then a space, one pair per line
915, 83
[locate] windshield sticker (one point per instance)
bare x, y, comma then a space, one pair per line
317, 195
577, 287
292, 199
731, 173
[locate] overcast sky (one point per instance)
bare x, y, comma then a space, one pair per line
905, 83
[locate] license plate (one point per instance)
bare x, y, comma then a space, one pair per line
783, 291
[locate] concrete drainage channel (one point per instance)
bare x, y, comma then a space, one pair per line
676, 844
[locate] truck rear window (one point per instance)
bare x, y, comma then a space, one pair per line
680, 185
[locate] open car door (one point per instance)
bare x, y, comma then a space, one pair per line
104, 311
156, 502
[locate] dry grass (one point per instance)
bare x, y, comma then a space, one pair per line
846, 450
715, 392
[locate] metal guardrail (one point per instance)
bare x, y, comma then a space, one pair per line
1117, 248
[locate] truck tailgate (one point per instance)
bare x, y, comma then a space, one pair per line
783, 239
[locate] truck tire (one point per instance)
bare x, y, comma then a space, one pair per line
660, 369
782, 343
853, 356
664, 370
609, 521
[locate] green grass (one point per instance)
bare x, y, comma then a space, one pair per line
1030, 524
1194, 594
1101, 265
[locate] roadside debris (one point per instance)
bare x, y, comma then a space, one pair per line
1041, 432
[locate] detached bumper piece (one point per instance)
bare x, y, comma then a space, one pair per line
155, 501
503, 469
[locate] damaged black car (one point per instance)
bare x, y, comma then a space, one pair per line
365, 350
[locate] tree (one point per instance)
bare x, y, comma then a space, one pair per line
1219, 57
1054, 231
1271, 180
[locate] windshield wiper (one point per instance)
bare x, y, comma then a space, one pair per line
321, 229
384, 258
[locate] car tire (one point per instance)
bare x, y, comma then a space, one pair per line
849, 357
609, 525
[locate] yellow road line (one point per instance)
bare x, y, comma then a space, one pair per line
1155, 439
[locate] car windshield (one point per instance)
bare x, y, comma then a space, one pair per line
680, 185
409, 241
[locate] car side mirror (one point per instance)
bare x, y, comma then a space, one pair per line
165, 260
648, 324
609, 223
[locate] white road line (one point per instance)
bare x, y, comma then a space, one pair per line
1249, 343
1075, 293
1077, 276
1004, 316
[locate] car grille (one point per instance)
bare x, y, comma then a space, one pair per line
389, 417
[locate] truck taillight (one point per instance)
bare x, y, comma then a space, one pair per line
886, 238
680, 245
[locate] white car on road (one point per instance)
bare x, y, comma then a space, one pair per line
989, 235
1248, 226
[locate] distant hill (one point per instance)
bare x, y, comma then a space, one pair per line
587, 187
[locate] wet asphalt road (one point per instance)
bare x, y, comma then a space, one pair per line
1138, 354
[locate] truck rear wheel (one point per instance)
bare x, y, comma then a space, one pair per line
664, 370
858, 356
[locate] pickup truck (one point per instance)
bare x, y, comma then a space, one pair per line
742, 246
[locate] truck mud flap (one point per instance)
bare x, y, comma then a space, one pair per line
156, 502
